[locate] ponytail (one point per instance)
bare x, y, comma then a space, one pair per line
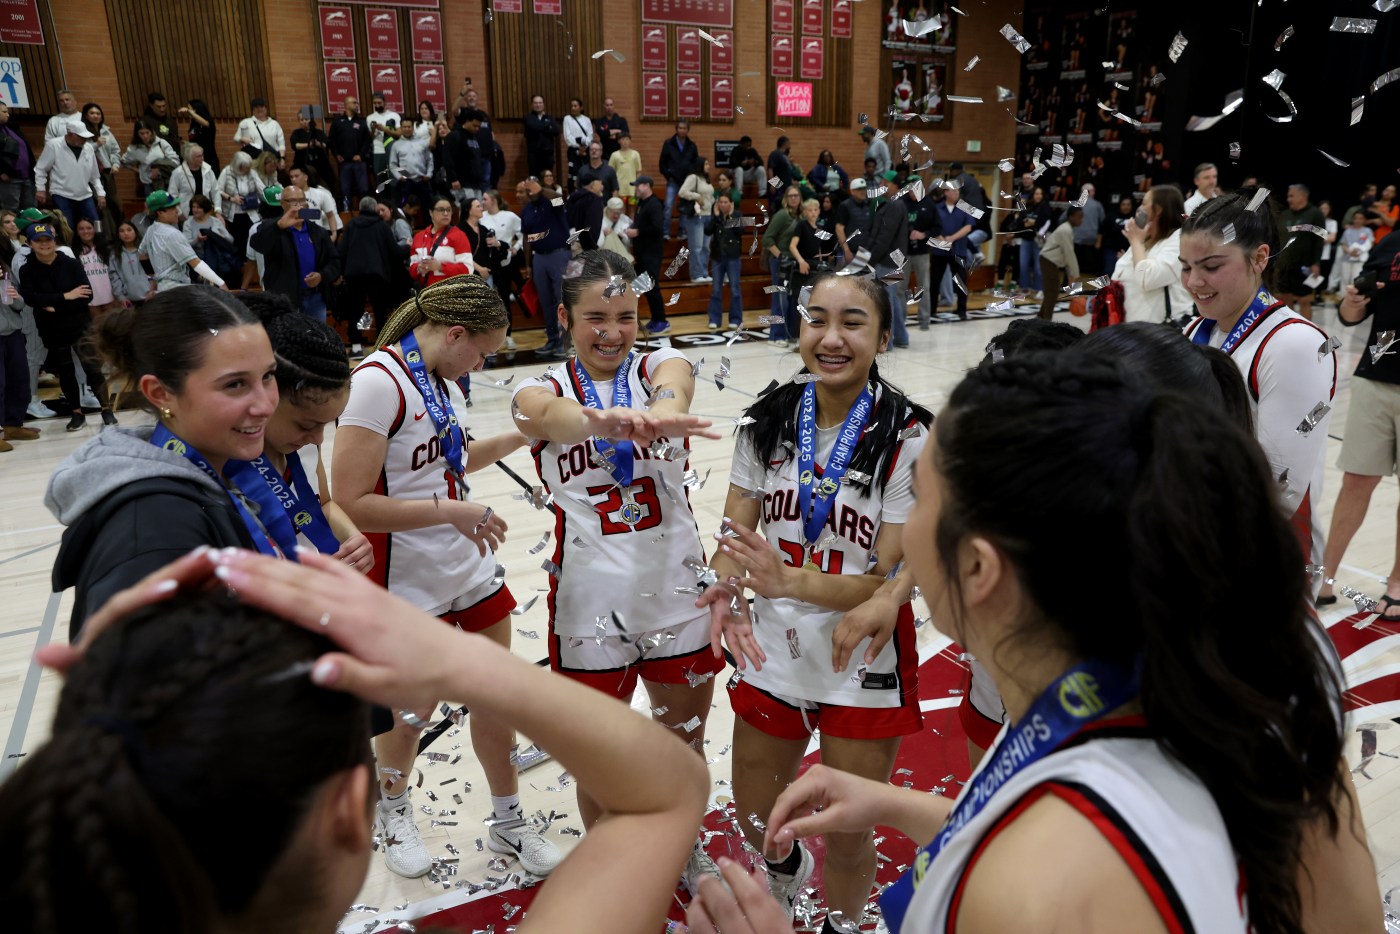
464, 300
1197, 580
311, 361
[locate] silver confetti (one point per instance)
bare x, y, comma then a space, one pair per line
681, 257
1358, 107
972, 64
614, 287
1314, 418
1016, 39
1359, 26
1227, 235
675, 297
552, 569
527, 633
1005, 94
1283, 37
804, 378
644, 283
1259, 198
541, 544
1385, 79
574, 235
617, 56
1345, 165
1177, 47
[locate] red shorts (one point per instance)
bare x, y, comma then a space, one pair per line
484, 614
787, 718
981, 729
613, 666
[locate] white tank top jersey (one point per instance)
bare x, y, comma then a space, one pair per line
797, 636
427, 567
607, 566
1153, 810
1287, 375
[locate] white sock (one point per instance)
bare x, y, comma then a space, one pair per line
506, 807
388, 802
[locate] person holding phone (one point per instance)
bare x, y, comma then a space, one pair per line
299, 259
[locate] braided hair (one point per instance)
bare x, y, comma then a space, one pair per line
187, 747
311, 361
464, 300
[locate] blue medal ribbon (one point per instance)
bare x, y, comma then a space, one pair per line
266, 542
449, 432
295, 500
620, 456
1080, 696
815, 509
1260, 308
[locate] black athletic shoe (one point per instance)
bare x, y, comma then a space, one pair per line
77, 422
109, 419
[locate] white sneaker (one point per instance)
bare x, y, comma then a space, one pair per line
37, 409
516, 838
404, 851
787, 888
87, 400
713, 327
698, 867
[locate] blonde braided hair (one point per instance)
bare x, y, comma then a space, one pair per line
464, 300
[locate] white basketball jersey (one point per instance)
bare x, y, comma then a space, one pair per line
797, 636
1148, 805
606, 564
428, 567
1287, 376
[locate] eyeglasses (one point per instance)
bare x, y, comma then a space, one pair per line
446, 210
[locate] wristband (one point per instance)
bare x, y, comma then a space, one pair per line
208, 274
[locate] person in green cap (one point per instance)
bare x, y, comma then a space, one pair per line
166, 248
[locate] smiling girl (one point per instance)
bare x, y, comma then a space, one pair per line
819, 492
1226, 254
610, 429
135, 499
399, 472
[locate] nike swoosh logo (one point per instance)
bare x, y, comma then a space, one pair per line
420, 415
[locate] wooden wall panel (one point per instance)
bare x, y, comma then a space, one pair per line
216, 50
531, 54
43, 67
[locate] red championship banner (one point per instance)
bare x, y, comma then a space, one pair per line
337, 33
382, 35
654, 48
342, 81
780, 60
655, 96
688, 49
387, 79
688, 97
430, 84
19, 22
548, 7
507, 6
782, 15
722, 55
812, 57
812, 19
427, 36
841, 19
721, 97
706, 13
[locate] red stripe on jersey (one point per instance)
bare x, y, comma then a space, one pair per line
381, 542
403, 405
1259, 355
1017, 809
1301, 520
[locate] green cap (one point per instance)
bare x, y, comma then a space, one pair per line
272, 196
160, 200
30, 216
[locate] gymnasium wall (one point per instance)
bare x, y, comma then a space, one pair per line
85, 45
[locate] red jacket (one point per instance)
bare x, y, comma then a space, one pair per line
452, 250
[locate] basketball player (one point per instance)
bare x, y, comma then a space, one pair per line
602, 424
1291, 382
824, 472
1167, 758
400, 468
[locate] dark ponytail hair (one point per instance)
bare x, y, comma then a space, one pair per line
167, 335
1025, 335
311, 361
1054, 456
188, 744
774, 429
1167, 362
1252, 229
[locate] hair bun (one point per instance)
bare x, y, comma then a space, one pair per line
268, 306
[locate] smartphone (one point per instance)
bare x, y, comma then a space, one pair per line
309, 214
250, 202
1366, 283
1141, 218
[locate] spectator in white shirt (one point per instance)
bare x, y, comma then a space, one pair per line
1205, 177
578, 133
67, 173
384, 125
239, 188
152, 158
306, 178
67, 112
261, 132
411, 167
194, 177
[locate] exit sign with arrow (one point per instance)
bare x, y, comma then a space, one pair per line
12, 88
